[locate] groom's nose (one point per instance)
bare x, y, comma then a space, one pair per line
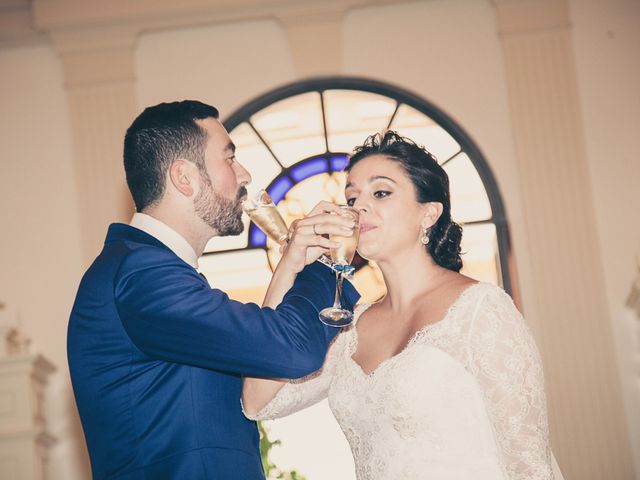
242, 174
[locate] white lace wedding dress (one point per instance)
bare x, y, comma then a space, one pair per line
463, 400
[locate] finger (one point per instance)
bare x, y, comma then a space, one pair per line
292, 230
309, 241
328, 218
315, 253
326, 229
326, 243
293, 226
325, 207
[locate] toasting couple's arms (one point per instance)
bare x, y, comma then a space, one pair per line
307, 242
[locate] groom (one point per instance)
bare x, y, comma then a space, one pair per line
156, 355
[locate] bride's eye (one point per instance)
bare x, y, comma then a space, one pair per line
351, 201
381, 194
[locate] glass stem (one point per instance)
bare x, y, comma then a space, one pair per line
336, 302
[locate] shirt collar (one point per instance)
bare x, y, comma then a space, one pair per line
167, 235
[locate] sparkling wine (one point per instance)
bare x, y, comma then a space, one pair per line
265, 215
269, 220
344, 254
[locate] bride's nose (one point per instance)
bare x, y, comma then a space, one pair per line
360, 206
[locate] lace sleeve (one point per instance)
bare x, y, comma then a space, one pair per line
506, 363
298, 394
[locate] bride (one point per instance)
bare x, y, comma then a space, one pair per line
441, 379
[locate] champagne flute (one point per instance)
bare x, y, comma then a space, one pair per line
336, 316
263, 212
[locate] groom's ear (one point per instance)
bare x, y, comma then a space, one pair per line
181, 176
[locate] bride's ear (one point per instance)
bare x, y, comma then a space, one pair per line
432, 212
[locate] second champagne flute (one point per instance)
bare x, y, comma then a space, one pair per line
336, 316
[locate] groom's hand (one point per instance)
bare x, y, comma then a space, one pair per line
309, 236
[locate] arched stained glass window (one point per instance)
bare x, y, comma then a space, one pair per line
295, 142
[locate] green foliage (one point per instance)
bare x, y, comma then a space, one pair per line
271, 471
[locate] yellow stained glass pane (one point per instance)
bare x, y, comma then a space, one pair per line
255, 157
481, 259
243, 275
292, 127
353, 115
469, 201
306, 194
415, 125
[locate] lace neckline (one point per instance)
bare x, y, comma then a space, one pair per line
417, 334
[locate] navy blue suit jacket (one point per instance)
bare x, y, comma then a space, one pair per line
157, 356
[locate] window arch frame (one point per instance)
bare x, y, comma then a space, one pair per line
402, 96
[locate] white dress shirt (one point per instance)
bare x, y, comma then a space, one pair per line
167, 235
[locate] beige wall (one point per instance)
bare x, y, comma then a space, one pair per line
607, 39
40, 254
224, 65
449, 52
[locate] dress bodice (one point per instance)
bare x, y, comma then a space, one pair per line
464, 399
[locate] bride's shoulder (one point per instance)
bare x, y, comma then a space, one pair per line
359, 310
486, 302
495, 310
489, 293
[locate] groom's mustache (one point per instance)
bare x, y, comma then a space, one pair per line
241, 193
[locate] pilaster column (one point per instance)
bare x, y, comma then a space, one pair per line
585, 402
99, 77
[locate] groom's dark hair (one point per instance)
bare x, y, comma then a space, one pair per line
160, 135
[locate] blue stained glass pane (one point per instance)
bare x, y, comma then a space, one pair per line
338, 163
280, 188
257, 237
309, 169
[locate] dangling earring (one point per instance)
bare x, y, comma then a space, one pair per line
424, 238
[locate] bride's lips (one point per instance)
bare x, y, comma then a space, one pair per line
365, 227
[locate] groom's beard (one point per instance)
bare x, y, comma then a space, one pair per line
220, 213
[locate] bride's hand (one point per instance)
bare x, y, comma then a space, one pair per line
308, 237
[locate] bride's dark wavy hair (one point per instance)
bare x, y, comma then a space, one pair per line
431, 184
